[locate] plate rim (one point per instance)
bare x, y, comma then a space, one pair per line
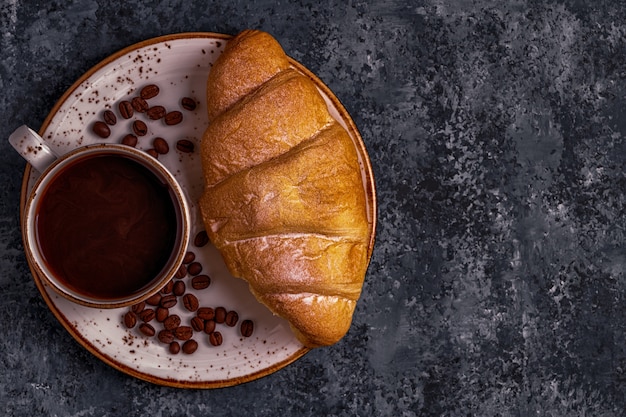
370, 189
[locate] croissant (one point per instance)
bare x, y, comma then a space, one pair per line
284, 199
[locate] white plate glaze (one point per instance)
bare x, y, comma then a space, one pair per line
179, 65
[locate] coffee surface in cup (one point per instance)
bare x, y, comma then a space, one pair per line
106, 226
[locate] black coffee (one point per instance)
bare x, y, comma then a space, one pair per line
106, 226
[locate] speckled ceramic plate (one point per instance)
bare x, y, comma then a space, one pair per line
179, 65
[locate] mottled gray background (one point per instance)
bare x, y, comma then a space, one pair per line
497, 134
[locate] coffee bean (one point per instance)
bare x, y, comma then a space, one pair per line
189, 257
140, 128
179, 288
190, 346
220, 315
201, 239
156, 112
185, 146
190, 302
188, 103
149, 91
147, 329
109, 117
200, 282
147, 315
183, 333
194, 268
197, 324
231, 318
166, 336
138, 308
167, 289
173, 118
130, 319
172, 322
139, 104
101, 129
168, 301
247, 327
205, 313
209, 326
215, 338
161, 314
174, 348
129, 140
181, 273
160, 145
206, 319
154, 300
125, 109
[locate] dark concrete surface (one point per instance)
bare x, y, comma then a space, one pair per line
496, 130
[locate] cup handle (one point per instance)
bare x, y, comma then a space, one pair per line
32, 147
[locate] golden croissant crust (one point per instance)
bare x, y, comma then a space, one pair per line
284, 199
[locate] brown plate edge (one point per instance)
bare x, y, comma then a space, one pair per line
369, 186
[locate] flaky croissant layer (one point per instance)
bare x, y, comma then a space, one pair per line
284, 199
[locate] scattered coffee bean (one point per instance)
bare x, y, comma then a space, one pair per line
168, 301
190, 346
149, 91
109, 117
247, 327
166, 336
160, 145
138, 308
189, 257
201, 239
231, 318
181, 273
206, 318
173, 118
215, 338
154, 300
220, 315
101, 129
174, 348
167, 288
130, 319
179, 288
200, 282
194, 268
183, 332
156, 112
190, 302
172, 322
140, 128
209, 326
197, 324
147, 315
161, 314
129, 140
139, 104
185, 146
147, 329
126, 109
188, 103
205, 313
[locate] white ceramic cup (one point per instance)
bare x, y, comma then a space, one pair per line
35, 150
